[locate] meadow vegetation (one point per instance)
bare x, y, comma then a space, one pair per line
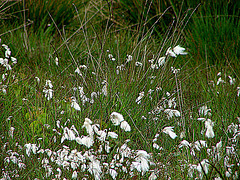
119, 90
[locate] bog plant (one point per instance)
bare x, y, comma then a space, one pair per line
121, 109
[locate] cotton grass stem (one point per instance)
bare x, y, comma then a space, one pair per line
179, 101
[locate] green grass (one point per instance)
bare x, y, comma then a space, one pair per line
88, 40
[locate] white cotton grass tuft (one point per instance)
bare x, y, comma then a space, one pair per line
88, 125
78, 71
220, 80
95, 169
169, 131
74, 175
74, 104
10, 132
209, 126
204, 110
138, 100
203, 166
85, 140
112, 135
48, 90
184, 143
141, 161
170, 52
37, 79
231, 80
125, 126
152, 176
177, 50
161, 61
104, 88
56, 61
172, 112
200, 144
116, 118
113, 173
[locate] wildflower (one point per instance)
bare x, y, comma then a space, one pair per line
49, 152
95, 169
4, 90
48, 168
219, 146
152, 176
74, 104
154, 66
169, 131
209, 125
191, 169
34, 148
104, 88
138, 100
88, 126
85, 140
232, 80
129, 58
125, 126
172, 103
220, 81
125, 151
174, 70
203, 166
178, 50
200, 144
56, 61
161, 61
78, 71
205, 111
116, 118
219, 74
93, 95
59, 173
107, 147
120, 68
68, 134
74, 175
102, 135
138, 63
201, 119
14, 60
38, 80
156, 146
11, 131
28, 148
4, 76
113, 173
135, 165
170, 52
49, 84
171, 112
113, 135
238, 91
142, 158
21, 165
110, 56
184, 143
83, 67
48, 93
